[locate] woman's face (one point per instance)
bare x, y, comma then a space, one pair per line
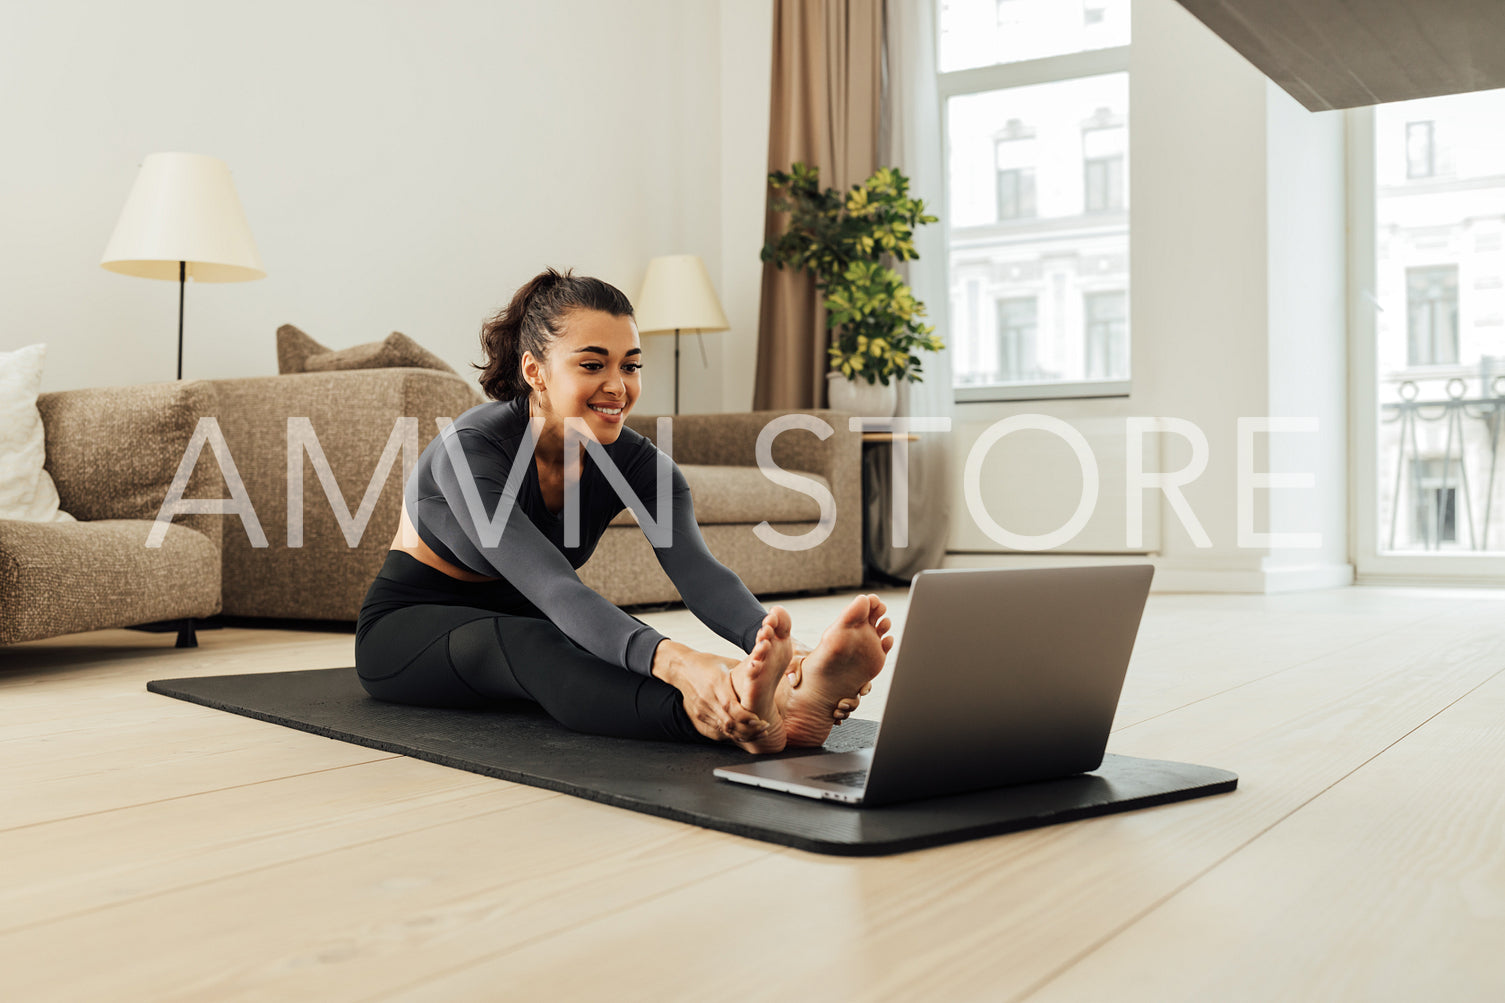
592, 372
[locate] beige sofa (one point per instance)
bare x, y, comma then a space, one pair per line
113, 454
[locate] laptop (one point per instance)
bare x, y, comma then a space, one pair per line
1002, 677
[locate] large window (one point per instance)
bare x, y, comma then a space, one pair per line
1036, 97
1433, 314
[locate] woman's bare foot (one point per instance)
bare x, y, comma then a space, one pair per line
850, 653
756, 679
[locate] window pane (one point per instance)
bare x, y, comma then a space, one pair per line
1037, 201
988, 32
1440, 329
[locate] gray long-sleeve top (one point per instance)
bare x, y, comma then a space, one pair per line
534, 553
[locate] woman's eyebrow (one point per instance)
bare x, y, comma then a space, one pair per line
601, 351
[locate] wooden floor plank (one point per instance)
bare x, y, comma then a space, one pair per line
1390, 886
186, 752
56, 870
348, 922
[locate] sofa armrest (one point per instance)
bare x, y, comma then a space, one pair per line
113, 451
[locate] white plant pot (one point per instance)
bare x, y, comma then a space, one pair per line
861, 398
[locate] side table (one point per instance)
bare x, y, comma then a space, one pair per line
877, 492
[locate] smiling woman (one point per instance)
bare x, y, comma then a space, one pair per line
478, 600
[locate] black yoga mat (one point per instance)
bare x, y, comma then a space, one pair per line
518, 742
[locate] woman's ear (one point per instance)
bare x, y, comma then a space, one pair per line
532, 371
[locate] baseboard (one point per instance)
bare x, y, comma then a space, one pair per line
1172, 575
1308, 577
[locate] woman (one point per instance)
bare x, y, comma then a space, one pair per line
478, 600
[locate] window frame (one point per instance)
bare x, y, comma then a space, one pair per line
1372, 565
1003, 76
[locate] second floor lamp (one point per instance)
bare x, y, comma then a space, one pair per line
678, 296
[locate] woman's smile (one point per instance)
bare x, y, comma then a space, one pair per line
610, 411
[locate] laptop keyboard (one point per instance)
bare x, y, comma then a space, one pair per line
849, 778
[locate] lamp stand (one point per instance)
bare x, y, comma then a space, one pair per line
182, 283
676, 370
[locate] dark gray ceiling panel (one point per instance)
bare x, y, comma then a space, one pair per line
1347, 53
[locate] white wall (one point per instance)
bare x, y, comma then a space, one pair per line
403, 167
746, 58
1308, 345
1197, 252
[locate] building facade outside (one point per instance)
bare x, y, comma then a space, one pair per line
1440, 330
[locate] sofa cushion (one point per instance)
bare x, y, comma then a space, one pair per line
298, 353
114, 451
65, 577
26, 489
725, 495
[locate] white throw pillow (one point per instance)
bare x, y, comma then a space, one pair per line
26, 489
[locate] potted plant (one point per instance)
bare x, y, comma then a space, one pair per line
844, 242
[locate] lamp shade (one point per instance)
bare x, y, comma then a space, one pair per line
678, 296
183, 208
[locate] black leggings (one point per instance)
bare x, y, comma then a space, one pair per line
425, 638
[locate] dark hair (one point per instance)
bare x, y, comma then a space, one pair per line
533, 319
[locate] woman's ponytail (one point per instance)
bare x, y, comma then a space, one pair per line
532, 320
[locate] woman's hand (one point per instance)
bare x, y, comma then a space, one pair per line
710, 700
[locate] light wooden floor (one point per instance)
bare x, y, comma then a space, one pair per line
152, 849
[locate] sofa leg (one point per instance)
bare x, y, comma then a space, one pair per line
186, 637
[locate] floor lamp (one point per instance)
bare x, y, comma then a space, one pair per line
183, 220
678, 296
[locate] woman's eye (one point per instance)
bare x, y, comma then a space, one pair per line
629, 368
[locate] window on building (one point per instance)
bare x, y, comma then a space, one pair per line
1014, 159
1103, 150
1432, 315
1434, 505
1107, 323
1062, 68
1016, 193
1421, 157
1016, 340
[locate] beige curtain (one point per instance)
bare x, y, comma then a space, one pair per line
912, 143
827, 88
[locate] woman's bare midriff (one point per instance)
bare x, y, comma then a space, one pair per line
409, 542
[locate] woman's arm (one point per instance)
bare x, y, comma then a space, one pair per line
710, 589
479, 521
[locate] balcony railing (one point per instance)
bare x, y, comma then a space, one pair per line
1439, 433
